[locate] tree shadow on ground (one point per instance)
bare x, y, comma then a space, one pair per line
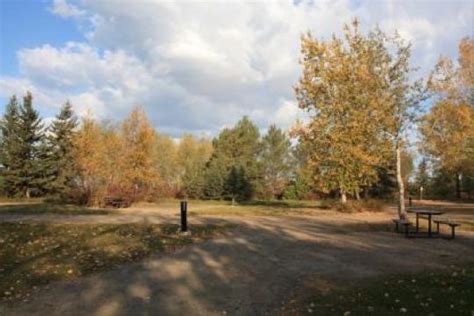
50, 208
249, 271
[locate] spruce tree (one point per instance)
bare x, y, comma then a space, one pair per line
215, 177
60, 162
10, 148
422, 177
236, 147
276, 162
237, 187
30, 156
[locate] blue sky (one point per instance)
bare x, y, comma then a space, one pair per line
27, 24
194, 66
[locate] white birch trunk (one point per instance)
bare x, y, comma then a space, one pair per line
343, 197
401, 189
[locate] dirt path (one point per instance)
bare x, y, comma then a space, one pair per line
249, 271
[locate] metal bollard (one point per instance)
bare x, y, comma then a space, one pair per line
410, 203
184, 216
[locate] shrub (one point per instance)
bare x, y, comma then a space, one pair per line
359, 206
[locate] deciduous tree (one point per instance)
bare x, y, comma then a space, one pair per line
340, 88
138, 139
448, 129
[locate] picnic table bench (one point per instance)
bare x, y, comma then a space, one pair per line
402, 222
116, 202
449, 223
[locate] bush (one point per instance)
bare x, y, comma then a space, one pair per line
359, 206
296, 190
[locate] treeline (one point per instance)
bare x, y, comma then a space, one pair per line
362, 103
84, 161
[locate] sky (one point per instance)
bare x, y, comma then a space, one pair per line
195, 66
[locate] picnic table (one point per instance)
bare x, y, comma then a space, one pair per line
116, 202
429, 213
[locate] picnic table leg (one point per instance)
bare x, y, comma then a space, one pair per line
429, 225
417, 224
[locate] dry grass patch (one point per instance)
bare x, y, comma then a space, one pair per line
36, 254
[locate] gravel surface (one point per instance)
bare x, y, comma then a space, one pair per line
250, 270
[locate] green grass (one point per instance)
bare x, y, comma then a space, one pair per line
4, 199
195, 207
281, 207
285, 203
447, 292
47, 208
32, 255
254, 208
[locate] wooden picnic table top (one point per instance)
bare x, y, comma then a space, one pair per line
426, 212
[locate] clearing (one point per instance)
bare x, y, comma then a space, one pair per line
306, 260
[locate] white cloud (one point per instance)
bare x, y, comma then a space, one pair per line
66, 10
198, 66
287, 114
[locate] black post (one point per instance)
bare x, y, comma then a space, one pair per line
417, 222
184, 216
429, 225
410, 201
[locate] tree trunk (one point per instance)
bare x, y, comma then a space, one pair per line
233, 200
366, 193
458, 186
357, 195
343, 197
401, 189
27, 193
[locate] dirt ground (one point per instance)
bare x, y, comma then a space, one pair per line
252, 269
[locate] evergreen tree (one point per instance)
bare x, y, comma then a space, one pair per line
215, 177
275, 158
237, 186
422, 177
297, 189
31, 155
236, 147
22, 153
10, 148
61, 165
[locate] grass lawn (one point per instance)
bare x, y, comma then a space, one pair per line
47, 208
447, 292
281, 207
195, 207
254, 208
36, 254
